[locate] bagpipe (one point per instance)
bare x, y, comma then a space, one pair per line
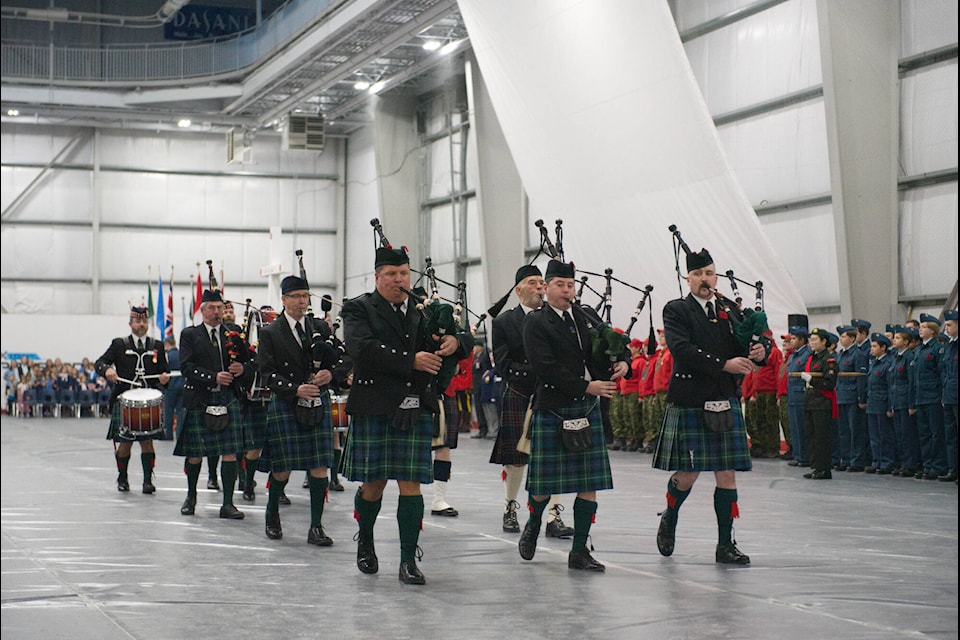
749, 325
607, 345
439, 317
235, 342
326, 351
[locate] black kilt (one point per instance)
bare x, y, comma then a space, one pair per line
553, 469
194, 440
289, 445
685, 444
451, 419
113, 431
513, 409
377, 451
254, 416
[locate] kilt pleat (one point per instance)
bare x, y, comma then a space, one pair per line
513, 409
451, 419
116, 421
552, 468
254, 416
288, 445
377, 451
686, 444
194, 440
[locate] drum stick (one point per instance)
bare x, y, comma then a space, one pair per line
135, 383
172, 374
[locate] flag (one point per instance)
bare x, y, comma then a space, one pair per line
197, 318
149, 301
161, 320
169, 330
183, 312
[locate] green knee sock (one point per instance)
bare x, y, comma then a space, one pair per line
583, 512
122, 464
146, 461
318, 495
192, 469
365, 512
536, 509
228, 480
251, 468
675, 496
725, 506
409, 518
335, 469
273, 496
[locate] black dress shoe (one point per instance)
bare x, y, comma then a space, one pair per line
729, 554
284, 500
318, 537
919, 474
803, 464
148, 487
448, 512
949, 476
819, 475
667, 531
367, 557
907, 473
123, 485
273, 529
249, 496
230, 512
528, 540
884, 472
854, 469
794, 463
870, 469
557, 529
930, 476
212, 484
583, 561
410, 574
335, 485
189, 506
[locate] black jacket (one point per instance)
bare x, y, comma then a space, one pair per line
508, 352
284, 365
559, 359
200, 363
700, 348
383, 351
116, 356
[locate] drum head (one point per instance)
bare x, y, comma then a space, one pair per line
141, 396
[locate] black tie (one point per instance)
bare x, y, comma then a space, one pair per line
400, 314
213, 339
711, 316
568, 320
139, 344
302, 335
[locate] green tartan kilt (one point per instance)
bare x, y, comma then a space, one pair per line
377, 451
552, 468
194, 440
116, 421
685, 444
451, 419
254, 416
288, 445
513, 409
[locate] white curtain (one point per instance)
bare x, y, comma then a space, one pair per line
610, 133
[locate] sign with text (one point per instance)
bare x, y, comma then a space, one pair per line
199, 22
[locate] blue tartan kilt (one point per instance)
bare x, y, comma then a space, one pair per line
513, 409
686, 444
194, 440
116, 421
552, 468
254, 416
288, 445
377, 451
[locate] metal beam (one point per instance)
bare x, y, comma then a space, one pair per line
163, 228
736, 15
178, 172
44, 170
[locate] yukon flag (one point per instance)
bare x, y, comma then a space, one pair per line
149, 304
161, 320
187, 320
168, 333
197, 317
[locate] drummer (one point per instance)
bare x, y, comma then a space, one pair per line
134, 361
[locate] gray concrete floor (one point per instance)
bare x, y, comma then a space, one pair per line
858, 557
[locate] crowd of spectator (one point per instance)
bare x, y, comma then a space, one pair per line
38, 388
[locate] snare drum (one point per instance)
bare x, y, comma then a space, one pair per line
338, 409
141, 412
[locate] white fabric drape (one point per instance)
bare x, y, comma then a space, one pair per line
610, 133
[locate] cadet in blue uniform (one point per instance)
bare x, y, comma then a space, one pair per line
879, 408
948, 373
860, 455
927, 399
904, 424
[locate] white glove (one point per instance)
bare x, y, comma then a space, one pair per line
806, 376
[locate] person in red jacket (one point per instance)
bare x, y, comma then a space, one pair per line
648, 401
782, 395
766, 419
630, 392
661, 382
749, 398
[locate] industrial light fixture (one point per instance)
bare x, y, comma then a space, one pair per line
361, 85
449, 47
376, 87
432, 45
13, 113
183, 123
